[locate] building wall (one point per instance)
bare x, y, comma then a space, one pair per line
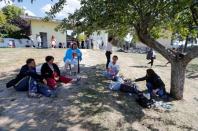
98, 38
17, 42
38, 26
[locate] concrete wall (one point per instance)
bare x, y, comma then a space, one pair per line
38, 26
18, 42
98, 38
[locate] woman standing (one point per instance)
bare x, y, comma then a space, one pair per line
108, 51
53, 42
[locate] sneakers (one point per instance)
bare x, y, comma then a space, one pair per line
34, 95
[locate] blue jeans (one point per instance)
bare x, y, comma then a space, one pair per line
114, 78
22, 85
160, 93
28, 83
44, 90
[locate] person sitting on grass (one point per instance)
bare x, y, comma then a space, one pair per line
72, 57
113, 70
154, 84
51, 72
28, 79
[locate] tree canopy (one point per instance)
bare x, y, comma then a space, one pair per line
11, 12
13, 26
121, 17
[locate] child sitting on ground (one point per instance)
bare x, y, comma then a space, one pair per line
113, 70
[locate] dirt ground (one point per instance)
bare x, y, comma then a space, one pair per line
90, 105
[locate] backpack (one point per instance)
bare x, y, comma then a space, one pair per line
144, 102
129, 88
149, 55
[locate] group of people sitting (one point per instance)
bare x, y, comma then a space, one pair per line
154, 83
45, 83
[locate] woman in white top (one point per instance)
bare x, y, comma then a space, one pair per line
108, 51
38, 39
53, 42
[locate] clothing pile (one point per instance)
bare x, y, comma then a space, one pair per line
142, 99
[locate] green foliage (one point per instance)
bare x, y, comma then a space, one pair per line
185, 19
57, 7
2, 19
120, 17
9, 28
13, 25
12, 12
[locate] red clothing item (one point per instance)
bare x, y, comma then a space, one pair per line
51, 82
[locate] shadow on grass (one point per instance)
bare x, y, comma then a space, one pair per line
139, 66
83, 106
192, 71
160, 65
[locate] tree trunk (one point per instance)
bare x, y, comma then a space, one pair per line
177, 79
186, 44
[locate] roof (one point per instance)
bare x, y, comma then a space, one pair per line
39, 18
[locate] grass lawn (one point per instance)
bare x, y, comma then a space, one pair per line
89, 105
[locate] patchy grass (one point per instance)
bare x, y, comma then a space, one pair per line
89, 105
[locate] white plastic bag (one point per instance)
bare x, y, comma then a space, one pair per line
115, 86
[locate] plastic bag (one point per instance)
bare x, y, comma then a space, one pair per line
115, 86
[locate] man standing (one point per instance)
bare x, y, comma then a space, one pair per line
38, 39
108, 51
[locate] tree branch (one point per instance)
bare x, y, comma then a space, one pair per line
191, 53
194, 12
150, 42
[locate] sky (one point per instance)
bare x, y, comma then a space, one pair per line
39, 7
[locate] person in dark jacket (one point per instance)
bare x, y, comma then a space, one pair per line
51, 73
151, 56
83, 45
154, 83
28, 79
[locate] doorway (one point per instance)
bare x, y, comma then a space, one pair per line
44, 43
